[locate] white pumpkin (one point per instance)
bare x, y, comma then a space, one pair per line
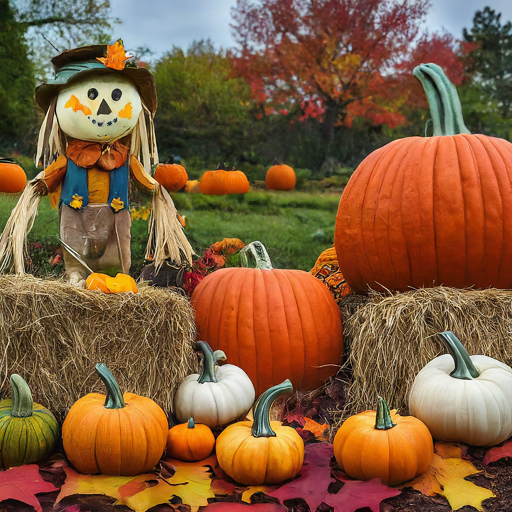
462, 398
217, 396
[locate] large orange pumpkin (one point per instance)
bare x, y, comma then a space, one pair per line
171, 176
280, 177
426, 211
274, 324
12, 177
114, 434
239, 184
383, 445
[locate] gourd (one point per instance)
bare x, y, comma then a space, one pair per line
260, 451
192, 187
171, 176
275, 324
280, 177
120, 283
28, 431
114, 434
216, 396
462, 398
190, 442
383, 445
429, 211
12, 177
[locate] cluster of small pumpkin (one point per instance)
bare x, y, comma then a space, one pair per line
126, 434
222, 181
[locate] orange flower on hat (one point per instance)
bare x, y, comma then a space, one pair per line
116, 56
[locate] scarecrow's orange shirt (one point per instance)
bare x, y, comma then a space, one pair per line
98, 180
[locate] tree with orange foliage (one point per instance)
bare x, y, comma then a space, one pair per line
334, 59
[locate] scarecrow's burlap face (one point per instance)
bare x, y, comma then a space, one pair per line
100, 107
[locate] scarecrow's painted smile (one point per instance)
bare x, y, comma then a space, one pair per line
99, 108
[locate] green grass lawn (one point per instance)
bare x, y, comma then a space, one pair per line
294, 226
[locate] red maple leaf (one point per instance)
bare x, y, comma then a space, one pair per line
22, 484
498, 452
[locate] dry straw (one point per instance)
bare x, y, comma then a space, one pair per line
53, 334
392, 336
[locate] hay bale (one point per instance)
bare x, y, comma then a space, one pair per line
392, 336
53, 334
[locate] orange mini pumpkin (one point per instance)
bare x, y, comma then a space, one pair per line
280, 177
261, 452
120, 283
192, 187
222, 181
114, 434
190, 442
171, 176
383, 445
430, 211
12, 177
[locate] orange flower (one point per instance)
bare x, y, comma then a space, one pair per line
116, 56
227, 246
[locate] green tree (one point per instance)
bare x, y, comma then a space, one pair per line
17, 109
204, 112
489, 65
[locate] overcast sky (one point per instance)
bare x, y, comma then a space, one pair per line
160, 24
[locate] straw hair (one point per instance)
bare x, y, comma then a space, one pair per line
391, 337
13, 241
53, 334
166, 236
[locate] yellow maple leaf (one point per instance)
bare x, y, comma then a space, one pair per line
116, 56
191, 482
446, 476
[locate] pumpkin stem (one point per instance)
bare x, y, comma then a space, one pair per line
114, 399
257, 249
383, 418
22, 403
261, 412
210, 359
464, 367
221, 167
191, 423
443, 100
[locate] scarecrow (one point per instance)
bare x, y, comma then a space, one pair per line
90, 144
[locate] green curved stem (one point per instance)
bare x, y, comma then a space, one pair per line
464, 367
191, 423
22, 403
210, 359
443, 100
261, 425
383, 419
260, 254
114, 399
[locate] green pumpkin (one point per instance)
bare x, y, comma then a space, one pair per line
28, 431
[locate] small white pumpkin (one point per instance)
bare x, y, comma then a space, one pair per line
217, 396
462, 398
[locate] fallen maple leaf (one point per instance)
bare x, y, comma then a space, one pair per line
191, 482
265, 489
315, 428
498, 452
117, 487
22, 484
314, 480
296, 415
356, 494
447, 478
239, 507
448, 450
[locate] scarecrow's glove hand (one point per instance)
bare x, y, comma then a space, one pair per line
40, 187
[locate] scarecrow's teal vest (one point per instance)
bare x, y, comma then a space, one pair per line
75, 184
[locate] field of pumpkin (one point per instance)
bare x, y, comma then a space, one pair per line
426, 213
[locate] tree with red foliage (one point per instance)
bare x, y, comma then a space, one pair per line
335, 59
